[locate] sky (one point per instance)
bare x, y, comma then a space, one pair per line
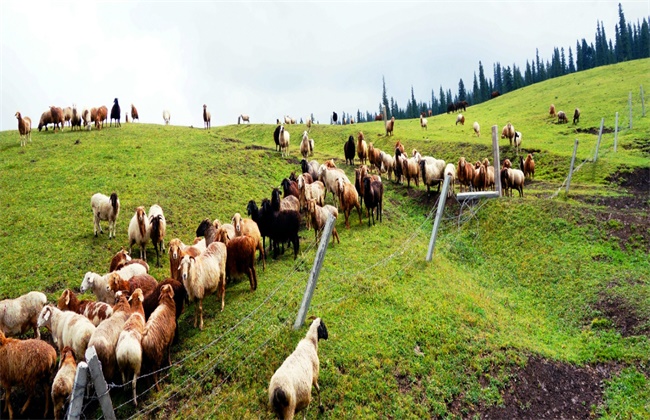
269, 59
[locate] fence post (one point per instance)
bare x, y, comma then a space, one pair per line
495, 154
642, 102
600, 135
629, 104
101, 389
573, 161
442, 199
315, 271
616, 133
78, 392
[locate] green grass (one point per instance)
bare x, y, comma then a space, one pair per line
521, 277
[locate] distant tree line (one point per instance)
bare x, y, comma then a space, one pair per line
632, 41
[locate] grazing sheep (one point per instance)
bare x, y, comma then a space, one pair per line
157, 230
374, 157
328, 177
551, 111
284, 138
57, 117
423, 122
349, 150
465, 174
85, 115
387, 164
306, 145
20, 314
561, 117
134, 113
348, 199
67, 116
159, 332
102, 115
116, 114
390, 125
290, 386
206, 117
139, 231
283, 226
26, 363
460, 119
362, 148
310, 167
432, 171
96, 312
450, 170
166, 116
373, 198
24, 129
105, 208
319, 215
517, 140
203, 275
63, 381
379, 117
249, 227
75, 121
508, 132
576, 116
240, 257
477, 129
46, 118
244, 117
67, 328
528, 166
99, 284
128, 350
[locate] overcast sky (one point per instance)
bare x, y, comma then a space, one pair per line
270, 59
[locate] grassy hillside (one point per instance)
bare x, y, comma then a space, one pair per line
513, 281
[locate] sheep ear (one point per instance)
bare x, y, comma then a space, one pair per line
67, 297
46, 315
140, 297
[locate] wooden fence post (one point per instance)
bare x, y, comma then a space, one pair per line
573, 160
78, 392
101, 389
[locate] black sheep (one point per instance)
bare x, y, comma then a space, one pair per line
373, 194
276, 138
349, 149
262, 222
284, 226
116, 113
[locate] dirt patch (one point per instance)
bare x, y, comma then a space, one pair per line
635, 181
546, 389
622, 314
256, 147
594, 130
293, 161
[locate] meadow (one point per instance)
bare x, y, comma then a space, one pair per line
560, 280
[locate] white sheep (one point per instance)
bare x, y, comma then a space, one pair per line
387, 164
284, 139
517, 140
105, 208
139, 231
166, 116
67, 328
290, 386
450, 170
423, 122
477, 128
128, 350
306, 145
20, 314
99, 284
328, 177
432, 171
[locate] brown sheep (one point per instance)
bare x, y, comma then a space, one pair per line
100, 118
206, 117
128, 350
489, 174
46, 118
576, 116
374, 156
551, 111
411, 170
373, 197
24, 129
134, 114
250, 228
479, 176
529, 167
562, 118
141, 281
362, 149
180, 296
399, 146
508, 132
28, 363
64, 381
240, 258
177, 250
159, 333
319, 216
96, 312
465, 174
460, 119
390, 125
348, 198
57, 117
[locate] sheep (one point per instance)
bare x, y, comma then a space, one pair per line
206, 117
159, 332
105, 208
284, 138
411, 170
561, 117
96, 312
290, 386
432, 171
203, 275
423, 122
263, 221
349, 150
134, 113
480, 175
128, 350
374, 156
249, 227
450, 170
306, 145
63, 381
287, 119
116, 114
328, 177
348, 198
28, 363
152, 299
512, 178
290, 188
24, 129
310, 167
362, 148
315, 190
67, 328
309, 122
106, 335
460, 119
319, 216
102, 114
46, 118
166, 116
57, 117
390, 125
244, 117
208, 230
20, 314
283, 226
157, 230
399, 155
240, 257
529, 167
67, 116
139, 231
489, 174
276, 138
373, 198
387, 163
359, 174
290, 202
144, 282
99, 284
465, 174
177, 249
576, 116
85, 115
477, 129
551, 111
120, 259
517, 140
506, 163
75, 121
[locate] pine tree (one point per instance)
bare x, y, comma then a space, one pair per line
498, 78
644, 39
580, 59
540, 67
462, 93
414, 106
508, 81
622, 40
528, 74
476, 93
517, 78
443, 102
485, 92
572, 67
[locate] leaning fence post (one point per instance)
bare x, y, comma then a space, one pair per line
100, 383
315, 271
573, 160
495, 154
616, 133
442, 198
629, 104
600, 135
78, 392
642, 103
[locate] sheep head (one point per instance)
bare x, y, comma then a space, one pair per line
166, 290
88, 281
185, 267
45, 317
236, 221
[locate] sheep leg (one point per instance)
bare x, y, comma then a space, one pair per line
262, 256
222, 291
29, 400
133, 386
200, 307
320, 405
335, 235
8, 402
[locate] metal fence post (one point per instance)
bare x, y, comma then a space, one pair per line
78, 392
573, 160
497, 163
442, 199
616, 133
315, 271
600, 135
101, 388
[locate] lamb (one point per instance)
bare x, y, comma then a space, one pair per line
390, 125
432, 171
284, 138
134, 113
387, 163
67, 328
240, 257
349, 150
373, 198
576, 116
24, 129
157, 230
166, 116
28, 363
105, 208
96, 312
290, 386
249, 227
206, 117
128, 350
306, 145
20, 314
423, 122
465, 174
348, 198
159, 332
319, 216
529, 167
63, 381
450, 170
139, 231
477, 129
460, 119
561, 117
362, 148
203, 275
99, 284
116, 113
